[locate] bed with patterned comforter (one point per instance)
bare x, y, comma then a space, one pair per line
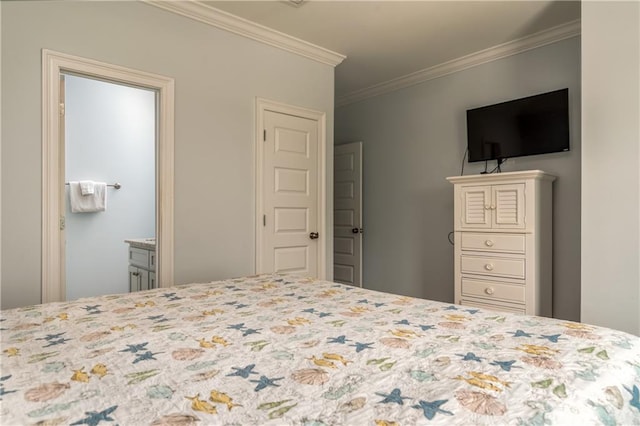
284, 350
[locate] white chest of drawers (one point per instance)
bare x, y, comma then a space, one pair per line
503, 241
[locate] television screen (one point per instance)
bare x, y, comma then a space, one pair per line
534, 125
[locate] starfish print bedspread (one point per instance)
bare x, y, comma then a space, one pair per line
278, 349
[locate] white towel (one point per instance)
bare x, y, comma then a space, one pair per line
87, 187
96, 202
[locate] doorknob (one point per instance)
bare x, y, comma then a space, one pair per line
313, 235
357, 230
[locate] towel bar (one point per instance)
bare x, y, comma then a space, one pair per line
115, 185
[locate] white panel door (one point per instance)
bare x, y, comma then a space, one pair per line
290, 194
347, 217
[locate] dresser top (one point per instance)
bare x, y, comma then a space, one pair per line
497, 177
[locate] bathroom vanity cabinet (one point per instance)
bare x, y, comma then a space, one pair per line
142, 264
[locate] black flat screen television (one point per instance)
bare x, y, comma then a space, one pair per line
533, 125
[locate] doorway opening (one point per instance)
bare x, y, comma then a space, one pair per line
54, 194
109, 135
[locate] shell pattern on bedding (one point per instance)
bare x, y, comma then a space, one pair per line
279, 349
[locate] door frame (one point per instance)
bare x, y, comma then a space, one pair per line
53, 245
263, 105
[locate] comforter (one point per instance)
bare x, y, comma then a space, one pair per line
279, 349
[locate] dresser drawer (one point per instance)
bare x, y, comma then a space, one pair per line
139, 257
495, 242
493, 266
503, 308
493, 290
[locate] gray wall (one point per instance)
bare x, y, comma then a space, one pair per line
218, 76
415, 137
611, 164
109, 137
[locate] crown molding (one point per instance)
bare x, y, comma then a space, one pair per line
232, 23
542, 38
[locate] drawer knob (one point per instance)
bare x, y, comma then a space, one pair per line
493, 207
488, 267
489, 290
488, 243
487, 207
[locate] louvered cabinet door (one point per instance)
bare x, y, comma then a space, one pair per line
508, 206
476, 207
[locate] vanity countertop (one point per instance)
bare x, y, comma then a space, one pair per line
143, 243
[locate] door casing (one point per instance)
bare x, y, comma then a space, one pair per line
53, 65
263, 105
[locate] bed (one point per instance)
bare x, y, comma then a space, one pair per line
277, 349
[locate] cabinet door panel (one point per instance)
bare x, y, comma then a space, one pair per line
144, 279
134, 279
476, 203
508, 206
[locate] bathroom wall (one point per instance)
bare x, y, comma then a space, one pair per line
109, 137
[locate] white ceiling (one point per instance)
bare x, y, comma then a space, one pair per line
384, 40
